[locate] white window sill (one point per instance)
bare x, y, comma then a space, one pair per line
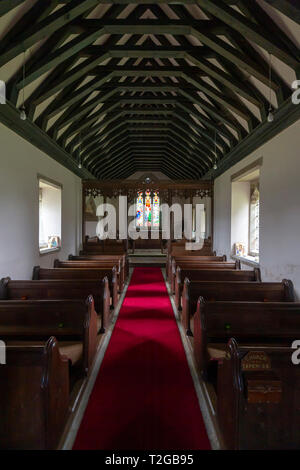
45, 251
249, 260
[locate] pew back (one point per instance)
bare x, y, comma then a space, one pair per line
95, 248
97, 263
122, 258
200, 265
60, 289
195, 274
80, 273
212, 291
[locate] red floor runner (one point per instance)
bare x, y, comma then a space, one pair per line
144, 396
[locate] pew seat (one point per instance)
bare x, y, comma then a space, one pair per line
72, 350
216, 351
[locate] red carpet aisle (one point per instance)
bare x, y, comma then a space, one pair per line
144, 396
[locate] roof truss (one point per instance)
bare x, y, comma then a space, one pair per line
168, 85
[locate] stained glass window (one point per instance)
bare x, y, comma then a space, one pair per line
139, 210
156, 210
147, 209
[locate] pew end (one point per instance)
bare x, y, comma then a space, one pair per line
229, 383
36, 273
186, 314
106, 305
33, 419
257, 389
3, 287
288, 290
257, 274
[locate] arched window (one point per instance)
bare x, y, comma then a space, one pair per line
147, 209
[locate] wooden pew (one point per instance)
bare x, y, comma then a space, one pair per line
195, 274
258, 397
34, 393
195, 260
104, 249
259, 323
212, 291
197, 263
74, 323
61, 289
175, 259
179, 250
120, 262
104, 245
81, 273
206, 249
147, 244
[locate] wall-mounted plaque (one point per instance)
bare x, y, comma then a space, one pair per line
256, 360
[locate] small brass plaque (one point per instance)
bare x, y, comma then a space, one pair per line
256, 360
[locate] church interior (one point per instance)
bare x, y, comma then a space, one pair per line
149, 225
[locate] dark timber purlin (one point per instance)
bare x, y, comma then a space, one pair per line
154, 100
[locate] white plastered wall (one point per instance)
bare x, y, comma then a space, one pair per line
20, 163
279, 207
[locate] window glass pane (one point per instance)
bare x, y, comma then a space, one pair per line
254, 221
139, 210
156, 210
148, 209
49, 216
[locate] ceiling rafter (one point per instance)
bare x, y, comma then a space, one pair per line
7, 5
169, 137
289, 8
43, 28
253, 31
151, 152
118, 89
